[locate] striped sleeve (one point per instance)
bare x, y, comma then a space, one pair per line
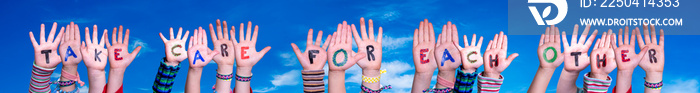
594, 85
489, 85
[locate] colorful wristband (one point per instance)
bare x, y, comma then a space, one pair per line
373, 79
40, 79
445, 82
224, 77
313, 81
367, 90
438, 90
464, 81
490, 85
243, 78
654, 86
594, 85
165, 77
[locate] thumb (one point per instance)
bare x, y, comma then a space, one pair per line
212, 54
511, 57
264, 51
642, 53
135, 52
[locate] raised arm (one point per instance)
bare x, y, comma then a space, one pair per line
199, 56
491, 79
95, 56
449, 57
550, 55
603, 58
575, 59
45, 59
119, 59
247, 57
225, 59
312, 60
423, 57
71, 58
653, 61
373, 61
175, 52
340, 58
626, 59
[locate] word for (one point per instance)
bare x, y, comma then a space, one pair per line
69, 52
312, 55
575, 54
244, 50
494, 61
601, 61
96, 57
224, 53
624, 55
370, 55
554, 52
116, 54
172, 50
197, 56
469, 58
423, 56
46, 52
345, 58
446, 56
652, 57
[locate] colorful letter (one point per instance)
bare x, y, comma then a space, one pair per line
446, 56
69, 52
575, 54
116, 54
423, 56
312, 55
370, 56
46, 52
172, 50
494, 61
601, 61
224, 53
345, 59
652, 55
545, 54
197, 55
96, 56
624, 55
469, 58
244, 51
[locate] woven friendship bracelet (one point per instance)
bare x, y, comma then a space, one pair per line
654, 86
489, 85
595, 85
64, 83
40, 78
367, 90
464, 81
373, 79
438, 90
225, 77
313, 81
75, 78
59, 90
243, 78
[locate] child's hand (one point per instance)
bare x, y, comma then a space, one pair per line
471, 55
119, 56
549, 51
223, 44
340, 55
446, 51
654, 59
369, 45
245, 49
314, 57
175, 51
94, 51
45, 54
576, 55
495, 56
624, 53
423, 48
70, 45
603, 57
199, 54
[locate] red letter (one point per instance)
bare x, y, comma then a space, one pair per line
245, 51
624, 55
116, 54
423, 60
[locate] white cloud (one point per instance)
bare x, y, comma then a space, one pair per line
84, 89
288, 59
56, 75
139, 42
390, 42
681, 86
286, 79
400, 83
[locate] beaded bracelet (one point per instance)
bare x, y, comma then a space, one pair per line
367, 90
654, 86
64, 83
243, 79
438, 90
224, 77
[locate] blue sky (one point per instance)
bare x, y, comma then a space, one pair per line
284, 21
